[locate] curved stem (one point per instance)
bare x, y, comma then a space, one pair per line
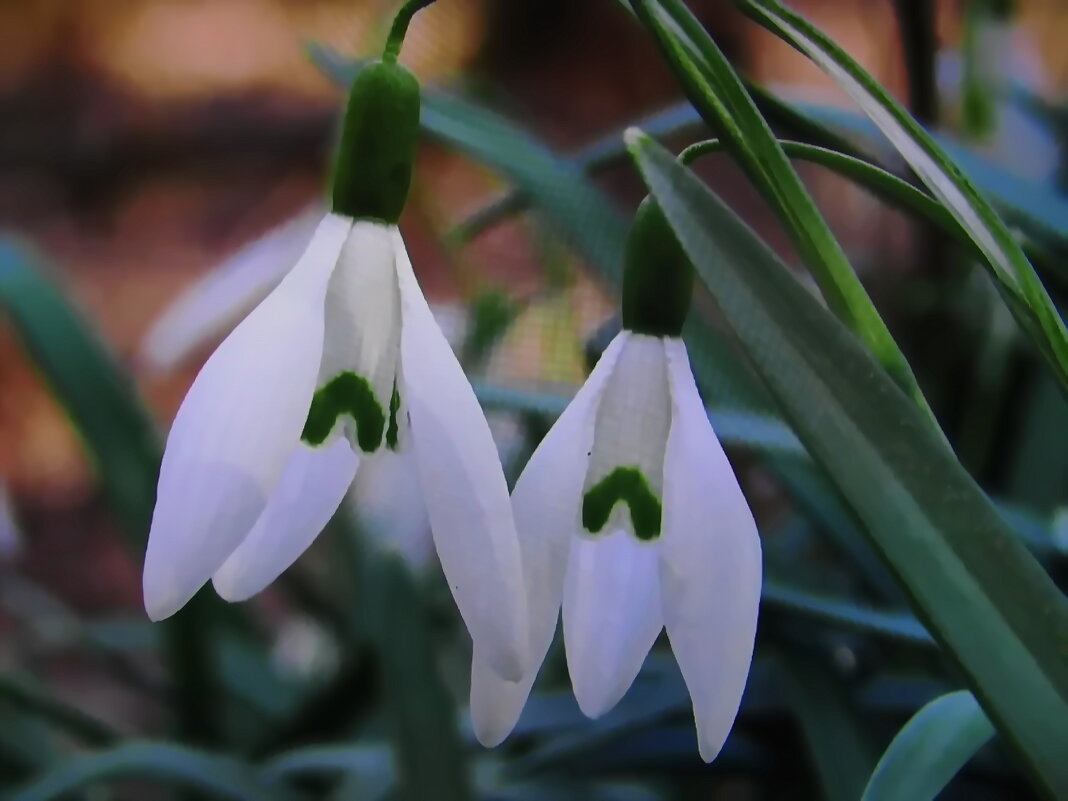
400, 28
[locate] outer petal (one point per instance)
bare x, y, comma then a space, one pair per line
546, 502
309, 492
212, 305
236, 429
711, 563
611, 615
463, 485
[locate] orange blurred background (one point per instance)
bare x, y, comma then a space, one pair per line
141, 141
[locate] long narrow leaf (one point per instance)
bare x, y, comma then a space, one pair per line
121, 441
37, 702
1012, 272
830, 726
930, 749
430, 760
719, 94
973, 583
884, 185
172, 765
85, 378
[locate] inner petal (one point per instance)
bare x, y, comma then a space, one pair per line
624, 481
357, 388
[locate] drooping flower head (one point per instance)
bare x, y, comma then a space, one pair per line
630, 518
342, 363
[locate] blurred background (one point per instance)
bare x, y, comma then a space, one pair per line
145, 142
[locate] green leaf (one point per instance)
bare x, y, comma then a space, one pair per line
327, 759
894, 191
845, 614
930, 749
831, 728
431, 762
171, 765
975, 586
1012, 272
85, 378
1037, 208
721, 98
119, 438
22, 694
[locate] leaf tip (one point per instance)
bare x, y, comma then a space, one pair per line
634, 138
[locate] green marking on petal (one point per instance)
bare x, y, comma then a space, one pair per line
393, 430
351, 394
629, 485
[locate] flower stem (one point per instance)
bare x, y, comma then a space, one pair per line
400, 28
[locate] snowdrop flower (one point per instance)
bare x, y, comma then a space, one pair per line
341, 361
213, 305
631, 519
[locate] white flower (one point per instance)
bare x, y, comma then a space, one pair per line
342, 360
630, 516
215, 303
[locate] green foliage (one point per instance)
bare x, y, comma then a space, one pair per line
891, 577
1012, 272
973, 583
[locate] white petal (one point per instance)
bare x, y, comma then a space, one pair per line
611, 615
463, 485
309, 492
388, 504
236, 429
711, 565
546, 502
212, 305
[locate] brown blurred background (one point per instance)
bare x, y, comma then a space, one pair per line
141, 141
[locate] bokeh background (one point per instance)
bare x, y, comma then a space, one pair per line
143, 142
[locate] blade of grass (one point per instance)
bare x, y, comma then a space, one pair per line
886, 186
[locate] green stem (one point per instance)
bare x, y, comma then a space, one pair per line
400, 28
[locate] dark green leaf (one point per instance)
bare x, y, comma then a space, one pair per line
22, 694
87, 381
970, 580
719, 94
431, 762
845, 614
119, 438
171, 765
833, 732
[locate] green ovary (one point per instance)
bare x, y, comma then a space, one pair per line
348, 394
629, 485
